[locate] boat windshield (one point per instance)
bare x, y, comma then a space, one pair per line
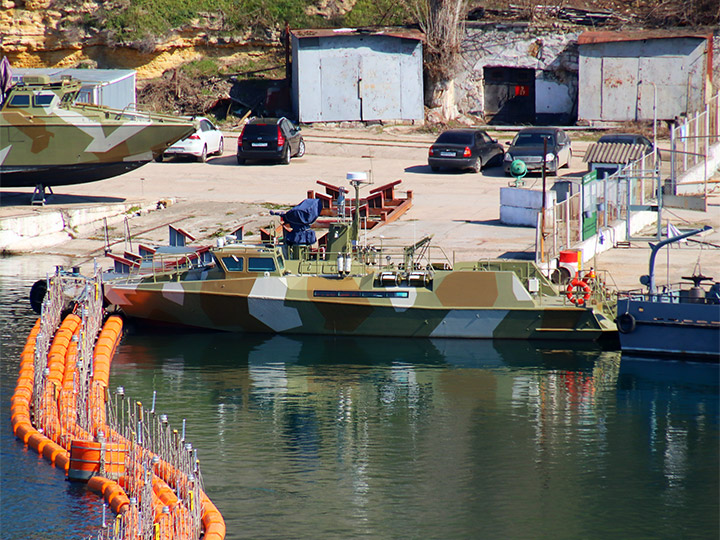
233, 263
19, 100
43, 100
261, 264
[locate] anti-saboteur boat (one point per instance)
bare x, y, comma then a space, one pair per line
676, 320
347, 289
48, 140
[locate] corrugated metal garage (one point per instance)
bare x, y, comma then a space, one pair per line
356, 75
623, 76
110, 87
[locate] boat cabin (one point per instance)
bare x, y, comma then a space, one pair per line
250, 260
37, 92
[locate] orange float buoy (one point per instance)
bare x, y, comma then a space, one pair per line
111, 492
51, 451
24, 430
37, 442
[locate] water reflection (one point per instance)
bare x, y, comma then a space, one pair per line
674, 423
405, 438
235, 349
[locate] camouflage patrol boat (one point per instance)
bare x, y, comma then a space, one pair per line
286, 287
47, 139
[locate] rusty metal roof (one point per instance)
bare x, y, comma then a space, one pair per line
606, 36
397, 32
614, 153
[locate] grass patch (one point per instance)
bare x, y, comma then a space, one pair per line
273, 206
206, 67
132, 20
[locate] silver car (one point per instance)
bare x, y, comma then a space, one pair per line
529, 145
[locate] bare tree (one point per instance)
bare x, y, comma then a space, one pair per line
442, 21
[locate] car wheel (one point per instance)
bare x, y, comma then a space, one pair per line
567, 165
476, 166
240, 161
301, 149
159, 158
286, 156
202, 158
221, 147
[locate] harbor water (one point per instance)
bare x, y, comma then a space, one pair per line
317, 437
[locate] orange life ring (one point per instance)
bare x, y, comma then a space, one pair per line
578, 292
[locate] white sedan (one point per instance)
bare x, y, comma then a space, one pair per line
206, 141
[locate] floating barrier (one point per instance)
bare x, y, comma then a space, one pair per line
89, 458
147, 473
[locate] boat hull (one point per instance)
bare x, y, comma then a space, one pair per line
314, 305
80, 144
669, 329
64, 175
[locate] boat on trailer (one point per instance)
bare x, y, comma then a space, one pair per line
349, 289
48, 139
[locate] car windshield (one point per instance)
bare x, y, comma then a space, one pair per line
533, 139
455, 137
626, 139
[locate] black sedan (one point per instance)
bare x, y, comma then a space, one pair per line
529, 144
464, 149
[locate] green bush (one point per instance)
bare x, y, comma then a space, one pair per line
138, 19
379, 13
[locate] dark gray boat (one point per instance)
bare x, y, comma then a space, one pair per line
679, 320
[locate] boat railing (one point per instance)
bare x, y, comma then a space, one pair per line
129, 112
674, 293
162, 267
385, 258
603, 289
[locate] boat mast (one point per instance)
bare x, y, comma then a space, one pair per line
656, 247
356, 180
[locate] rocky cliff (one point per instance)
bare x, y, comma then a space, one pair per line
53, 33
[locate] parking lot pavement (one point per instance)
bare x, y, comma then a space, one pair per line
460, 210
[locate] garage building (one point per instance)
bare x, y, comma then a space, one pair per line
357, 75
639, 75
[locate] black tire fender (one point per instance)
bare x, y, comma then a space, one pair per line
37, 295
625, 323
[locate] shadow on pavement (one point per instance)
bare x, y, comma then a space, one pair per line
491, 222
494, 172
232, 161
56, 199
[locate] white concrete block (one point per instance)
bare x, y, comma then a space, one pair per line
523, 217
526, 198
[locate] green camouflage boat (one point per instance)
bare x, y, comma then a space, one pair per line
47, 139
348, 289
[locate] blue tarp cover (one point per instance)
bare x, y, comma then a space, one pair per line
300, 218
